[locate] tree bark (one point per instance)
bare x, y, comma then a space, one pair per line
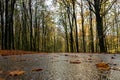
74, 16
100, 33
2, 22
31, 32
83, 32
91, 30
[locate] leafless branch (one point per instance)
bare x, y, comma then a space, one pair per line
105, 12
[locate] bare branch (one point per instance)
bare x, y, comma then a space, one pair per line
91, 5
92, 10
105, 12
90, 2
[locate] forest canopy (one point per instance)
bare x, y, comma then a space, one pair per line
60, 25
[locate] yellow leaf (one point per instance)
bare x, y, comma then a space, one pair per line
103, 66
16, 73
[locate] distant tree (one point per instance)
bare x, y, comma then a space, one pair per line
82, 24
31, 29
91, 29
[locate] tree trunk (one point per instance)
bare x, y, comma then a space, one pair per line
31, 32
99, 25
83, 33
11, 23
74, 16
71, 30
6, 25
2, 22
101, 36
24, 28
66, 33
91, 30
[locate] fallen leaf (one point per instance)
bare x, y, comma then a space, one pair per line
112, 57
89, 59
103, 66
66, 55
37, 69
16, 73
75, 62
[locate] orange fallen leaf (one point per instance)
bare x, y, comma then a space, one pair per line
75, 62
37, 69
103, 66
89, 59
16, 73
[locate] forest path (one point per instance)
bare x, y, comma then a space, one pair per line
61, 66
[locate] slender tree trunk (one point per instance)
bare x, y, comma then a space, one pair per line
24, 27
35, 29
91, 31
2, 22
83, 33
11, 23
71, 30
43, 33
117, 25
74, 16
66, 33
31, 32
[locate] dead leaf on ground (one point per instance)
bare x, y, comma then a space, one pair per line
112, 57
37, 69
75, 62
89, 58
66, 55
2, 79
16, 73
75, 56
103, 66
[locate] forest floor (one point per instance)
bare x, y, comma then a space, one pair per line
15, 52
61, 66
20, 52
